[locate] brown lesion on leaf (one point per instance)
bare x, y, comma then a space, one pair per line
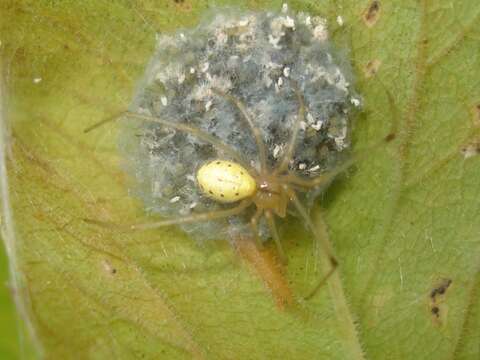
371, 68
183, 5
268, 267
438, 307
440, 289
108, 267
470, 149
372, 13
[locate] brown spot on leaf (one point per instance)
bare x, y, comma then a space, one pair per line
183, 5
371, 68
440, 289
372, 13
471, 149
108, 267
390, 137
437, 304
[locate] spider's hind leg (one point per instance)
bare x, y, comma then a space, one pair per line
207, 216
322, 241
276, 237
254, 225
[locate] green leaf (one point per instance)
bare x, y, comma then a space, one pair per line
404, 224
9, 348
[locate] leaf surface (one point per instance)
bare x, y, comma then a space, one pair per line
404, 224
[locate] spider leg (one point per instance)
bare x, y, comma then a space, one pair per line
273, 229
198, 133
254, 225
321, 239
331, 174
207, 216
262, 153
296, 127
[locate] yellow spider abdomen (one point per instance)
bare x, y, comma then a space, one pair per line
225, 181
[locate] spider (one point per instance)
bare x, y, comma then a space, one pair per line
270, 189
219, 104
